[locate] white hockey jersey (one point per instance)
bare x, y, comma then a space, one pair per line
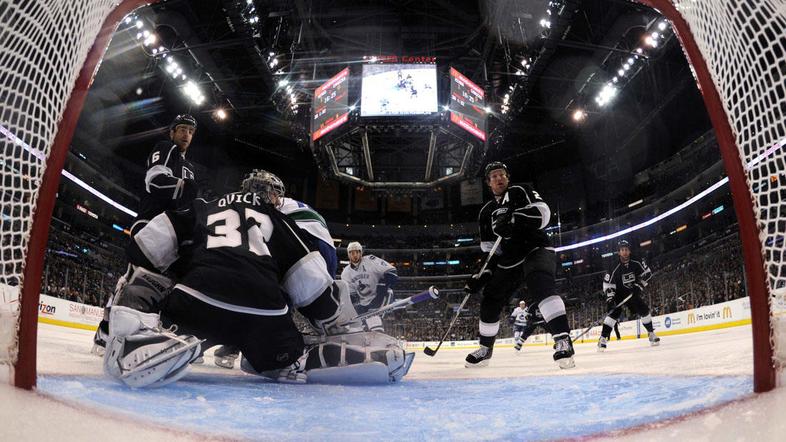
307, 219
364, 278
520, 315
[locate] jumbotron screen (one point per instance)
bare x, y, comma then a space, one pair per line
331, 105
467, 105
398, 89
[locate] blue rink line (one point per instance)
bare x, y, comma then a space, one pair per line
530, 408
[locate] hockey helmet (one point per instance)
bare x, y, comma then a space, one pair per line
522, 303
354, 245
623, 243
264, 184
184, 119
494, 165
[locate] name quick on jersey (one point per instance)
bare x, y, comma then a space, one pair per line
248, 198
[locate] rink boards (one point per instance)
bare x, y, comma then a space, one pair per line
733, 313
726, 314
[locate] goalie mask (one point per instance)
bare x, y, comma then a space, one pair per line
265, 184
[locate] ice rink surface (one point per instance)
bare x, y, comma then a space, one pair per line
693, 387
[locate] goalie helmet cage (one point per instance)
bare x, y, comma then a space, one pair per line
51, 50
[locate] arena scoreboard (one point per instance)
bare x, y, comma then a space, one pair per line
467, 105
330, 106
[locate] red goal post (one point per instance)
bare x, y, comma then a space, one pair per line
52, 52
719, 40
75, 35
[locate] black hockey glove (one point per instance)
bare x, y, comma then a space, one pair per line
189, 192
477, 281
502, 222
610, 299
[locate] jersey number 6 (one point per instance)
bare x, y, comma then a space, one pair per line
227, 234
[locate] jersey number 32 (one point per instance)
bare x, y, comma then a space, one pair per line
226, 225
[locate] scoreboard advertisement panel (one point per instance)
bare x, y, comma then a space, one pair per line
330, 106
467, 105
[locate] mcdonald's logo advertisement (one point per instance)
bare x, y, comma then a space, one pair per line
695, 318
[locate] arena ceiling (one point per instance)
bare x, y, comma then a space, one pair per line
228, 48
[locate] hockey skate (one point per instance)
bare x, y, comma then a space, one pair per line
654, 339
100, 338
518, 346
225, 356
292, 374
479, 357
563, 355
602, 344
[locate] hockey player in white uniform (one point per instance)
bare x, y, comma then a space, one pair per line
524, 319
371, 279
519, 319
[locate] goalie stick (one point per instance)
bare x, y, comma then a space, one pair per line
431, 293
596, 323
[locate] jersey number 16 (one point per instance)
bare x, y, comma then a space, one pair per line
226, 226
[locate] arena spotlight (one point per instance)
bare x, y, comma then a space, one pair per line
649, 41
662, 26
621, 72
220, 114
579, 115
139, 91
139, 24
487, 109
282, 83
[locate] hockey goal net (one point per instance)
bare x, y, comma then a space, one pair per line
51, 48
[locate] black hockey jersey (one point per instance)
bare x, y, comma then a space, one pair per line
169, 181
626, 278
530, 216
233, 253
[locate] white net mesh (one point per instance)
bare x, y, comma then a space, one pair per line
44, 45
744, 45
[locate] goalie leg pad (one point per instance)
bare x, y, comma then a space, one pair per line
140, 354
357, 358
144, 291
